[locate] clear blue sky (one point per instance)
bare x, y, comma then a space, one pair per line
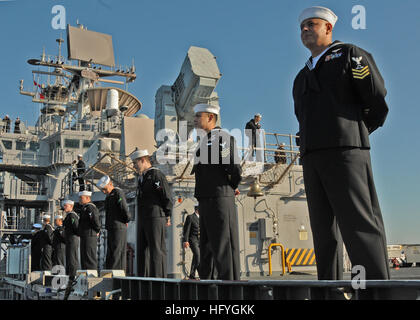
258, 51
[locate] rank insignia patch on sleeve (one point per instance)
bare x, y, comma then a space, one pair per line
360, 74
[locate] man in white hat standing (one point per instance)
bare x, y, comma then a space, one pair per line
154, 203
217, 175
36, 248
253, 132
46, 243
89, 228
59, 243
81, 169
339, 99
117, 216
71, 234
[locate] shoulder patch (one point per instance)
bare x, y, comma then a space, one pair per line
360, 69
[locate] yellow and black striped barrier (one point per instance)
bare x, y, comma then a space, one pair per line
300, 257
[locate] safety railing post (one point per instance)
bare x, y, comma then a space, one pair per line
270, 271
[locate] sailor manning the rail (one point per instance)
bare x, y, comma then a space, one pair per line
154, 203
117, 216
36, 247
217, 175
46, 243
58, 243
89, 228
339, 99
71, 234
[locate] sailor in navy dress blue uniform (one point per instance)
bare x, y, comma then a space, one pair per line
71, 234
154, 207
36, 248
46, 244
89, 228
217, 175
59, 243
117, 216
339, 99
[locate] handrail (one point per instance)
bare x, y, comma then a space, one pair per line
270, 271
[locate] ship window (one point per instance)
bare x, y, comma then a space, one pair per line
34, 146
87, 143
71, 143
7, 144
21, 145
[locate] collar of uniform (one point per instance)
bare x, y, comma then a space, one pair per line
145, 172
309, 62
217, 128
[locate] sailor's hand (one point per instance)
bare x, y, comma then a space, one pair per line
237, 192
168, 221
186, 244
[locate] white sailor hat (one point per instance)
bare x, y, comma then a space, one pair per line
37, 226
68, 202
46, 216
25, 241
85, 193
58, 217
202, 107
103, 182
318, 12
138, 154
258, 115
79, 156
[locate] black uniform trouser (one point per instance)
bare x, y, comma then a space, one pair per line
340, 191
219, 239
59, 256
151, 254
195, 263
116, 255
88, 253
36, 261
81, 184
46, 259
72, 256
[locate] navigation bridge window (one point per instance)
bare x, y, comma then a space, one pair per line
21, 145
71, 143
7, 144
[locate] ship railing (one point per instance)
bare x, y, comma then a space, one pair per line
25, 158
121, 173
69, 183
19, 188
32, 188
95, 125
272, 148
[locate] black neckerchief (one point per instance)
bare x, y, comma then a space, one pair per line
309, 62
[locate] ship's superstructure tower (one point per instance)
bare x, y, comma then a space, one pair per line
83, 108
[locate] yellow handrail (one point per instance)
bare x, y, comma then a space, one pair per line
270, 271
